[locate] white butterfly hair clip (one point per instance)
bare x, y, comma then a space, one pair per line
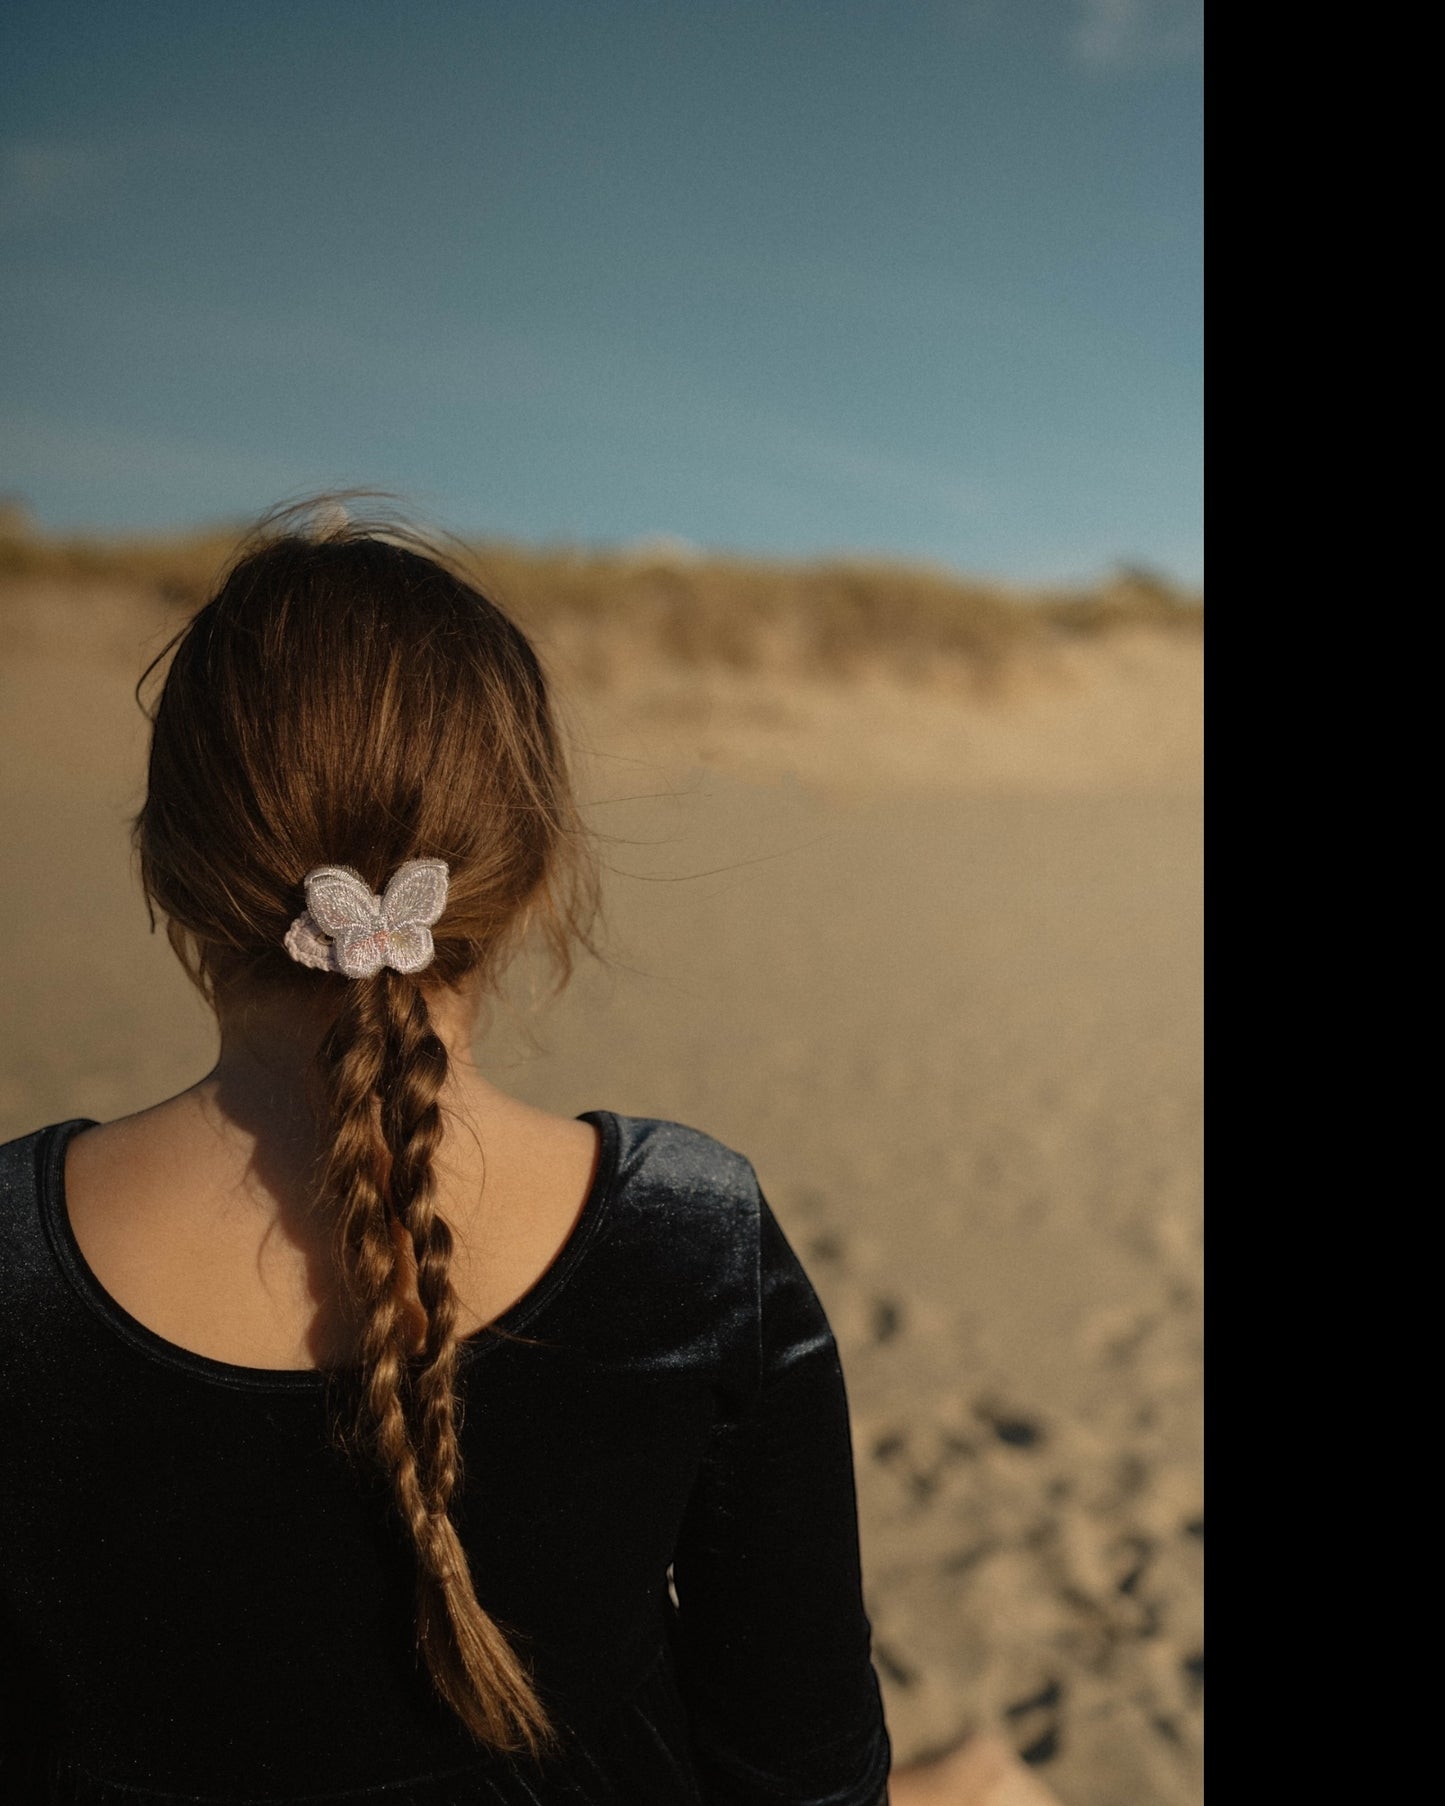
367, 932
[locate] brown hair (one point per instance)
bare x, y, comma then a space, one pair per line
348, 698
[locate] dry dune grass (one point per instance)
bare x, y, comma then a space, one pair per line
829, 619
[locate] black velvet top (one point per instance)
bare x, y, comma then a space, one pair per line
204, 1601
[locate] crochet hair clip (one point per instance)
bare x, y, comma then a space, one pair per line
347, 928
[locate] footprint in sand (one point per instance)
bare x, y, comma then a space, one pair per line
826, 1248
1012, 1428
885, 1319
982, 1771
1037, 1723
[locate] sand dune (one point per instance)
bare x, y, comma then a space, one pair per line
932, 960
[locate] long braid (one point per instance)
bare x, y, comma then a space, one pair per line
383, 1071
411, 1127
355, 1184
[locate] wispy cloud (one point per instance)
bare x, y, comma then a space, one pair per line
1135, 34
43, 179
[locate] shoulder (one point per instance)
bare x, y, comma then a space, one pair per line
709, 1193
676, 1250
29, 1172
683, 1212
691, 1225
14, 1154
20, 1163
661, 1164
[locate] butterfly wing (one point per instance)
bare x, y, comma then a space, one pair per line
409, 947
416, 896
339, 900
359, 952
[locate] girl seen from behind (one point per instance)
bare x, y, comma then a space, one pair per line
371, 1434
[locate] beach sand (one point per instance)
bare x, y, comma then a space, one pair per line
932, 961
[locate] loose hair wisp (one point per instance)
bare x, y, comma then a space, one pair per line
347, 700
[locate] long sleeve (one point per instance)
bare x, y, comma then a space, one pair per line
773, 1642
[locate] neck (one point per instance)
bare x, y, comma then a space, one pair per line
264, 1083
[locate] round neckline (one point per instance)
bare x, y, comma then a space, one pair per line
84, 1281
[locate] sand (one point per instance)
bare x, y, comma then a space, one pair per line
932, 962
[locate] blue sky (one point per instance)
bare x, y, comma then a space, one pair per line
780, 276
